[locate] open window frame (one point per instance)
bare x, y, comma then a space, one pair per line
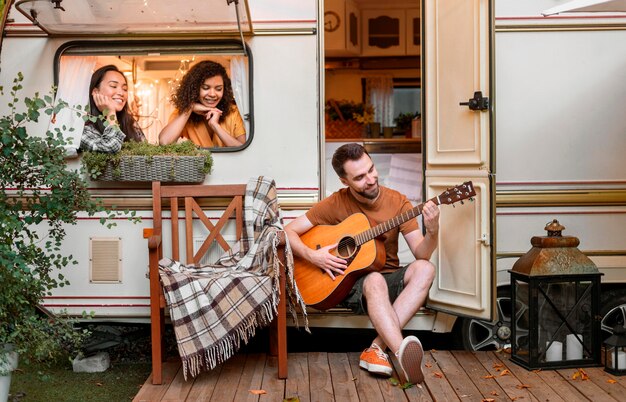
154, 49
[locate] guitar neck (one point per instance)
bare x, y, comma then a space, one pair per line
386, 226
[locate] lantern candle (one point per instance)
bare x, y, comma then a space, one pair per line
621, 361
554, 352
574, 347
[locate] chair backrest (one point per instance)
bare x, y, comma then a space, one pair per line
196, 199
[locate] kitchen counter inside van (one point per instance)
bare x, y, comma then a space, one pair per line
386, 145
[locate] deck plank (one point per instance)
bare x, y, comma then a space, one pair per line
488, 387
229, 378
537, 386
342, 378
366, 384
601, 378
297, 384
272, 385
179, 388
436, 381
150, 392
586, 387
508, 382
251, 378
204, 385
321, 386
461, 383
560, 386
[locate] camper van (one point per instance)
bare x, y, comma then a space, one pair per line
529, 108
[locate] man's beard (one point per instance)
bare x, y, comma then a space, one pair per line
370, 194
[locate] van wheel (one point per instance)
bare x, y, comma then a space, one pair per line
492, 335
612, 310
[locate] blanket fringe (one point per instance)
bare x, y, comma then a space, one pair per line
209, 358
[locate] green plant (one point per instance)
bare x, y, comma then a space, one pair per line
95, 163
403, 120
348, 110
39, 196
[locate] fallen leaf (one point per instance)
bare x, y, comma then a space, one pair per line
99, 384
505, 372
292, 399
583, 374
611, 381
433, 350
488, 400
353, 378
407, 385
428, 365
394, 381
536, 371
498, 366
438, 374
522, 386
494, 393
489, 376
258, 391
580, 373
513, 398
507, 350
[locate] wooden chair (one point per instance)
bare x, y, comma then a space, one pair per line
193, 196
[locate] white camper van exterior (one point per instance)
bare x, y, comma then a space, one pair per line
546, 145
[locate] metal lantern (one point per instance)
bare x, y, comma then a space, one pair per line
615, 352
555, 293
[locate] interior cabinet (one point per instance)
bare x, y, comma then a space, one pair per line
413, 31
391, 32
342, 34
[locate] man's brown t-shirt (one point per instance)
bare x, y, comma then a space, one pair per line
389, 204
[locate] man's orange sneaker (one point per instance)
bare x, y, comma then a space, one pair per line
374, 360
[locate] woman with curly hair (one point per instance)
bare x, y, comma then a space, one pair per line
205, 110
108, 99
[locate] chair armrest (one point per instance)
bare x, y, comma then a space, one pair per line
153, 236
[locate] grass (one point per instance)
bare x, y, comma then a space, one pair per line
121, 382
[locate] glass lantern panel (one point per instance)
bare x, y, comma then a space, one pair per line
521, 320
616, 355
565, 320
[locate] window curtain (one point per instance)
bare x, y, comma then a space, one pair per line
379, 94
239, 80
74, 77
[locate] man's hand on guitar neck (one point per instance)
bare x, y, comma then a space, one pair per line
328, 262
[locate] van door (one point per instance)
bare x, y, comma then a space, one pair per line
457, 135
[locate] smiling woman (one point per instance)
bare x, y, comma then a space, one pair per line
108, 103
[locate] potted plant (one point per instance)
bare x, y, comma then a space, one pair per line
39, 195
346, 119
404, 122
141, 161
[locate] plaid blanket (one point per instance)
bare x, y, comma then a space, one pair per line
215, 307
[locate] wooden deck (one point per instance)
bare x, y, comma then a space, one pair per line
321, 376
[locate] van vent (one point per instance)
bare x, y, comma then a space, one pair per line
105, 260
215, 251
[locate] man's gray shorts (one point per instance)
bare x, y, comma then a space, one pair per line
357, 303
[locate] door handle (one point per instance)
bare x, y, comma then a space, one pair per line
478, 102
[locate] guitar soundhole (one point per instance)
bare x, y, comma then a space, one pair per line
347, 248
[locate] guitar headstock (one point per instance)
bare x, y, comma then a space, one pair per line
458, 193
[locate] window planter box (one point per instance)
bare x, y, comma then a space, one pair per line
164, 168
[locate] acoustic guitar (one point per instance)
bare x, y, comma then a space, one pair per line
357, 243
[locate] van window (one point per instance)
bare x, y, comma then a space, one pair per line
153, 72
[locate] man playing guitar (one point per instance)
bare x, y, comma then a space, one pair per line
392, 296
